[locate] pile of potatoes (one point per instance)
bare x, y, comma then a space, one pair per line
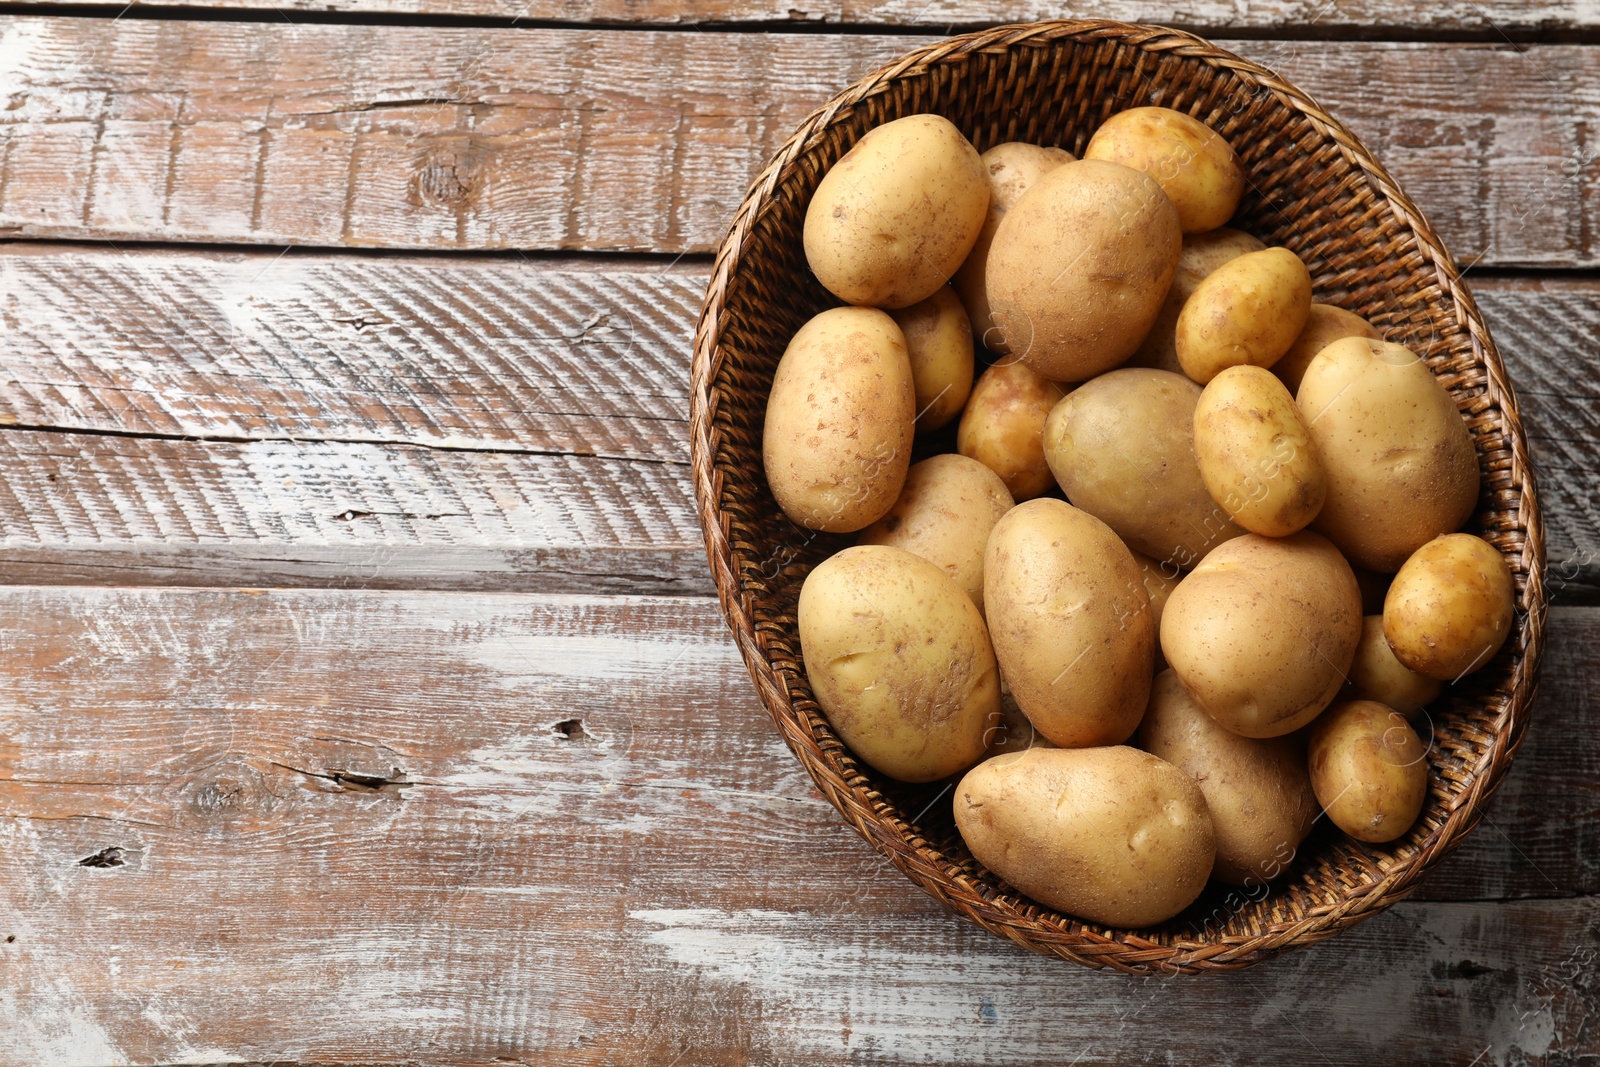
1170, 674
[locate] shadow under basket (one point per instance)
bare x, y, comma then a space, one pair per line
1311, 187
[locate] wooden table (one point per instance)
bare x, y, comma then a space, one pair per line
364, 698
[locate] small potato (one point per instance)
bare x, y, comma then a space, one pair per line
1194, 165
1202, 253
1003, 426
1070, 623
1255, 453
1257, 790
1080, 266
1450, 607
944, 514
1369, 770
837, 439
1122, 448
939, 341
1376, 675
1012, 167
1262, 632
1159, 580
1400, 462
898, 657
893, 219
1111, 835
1325, 324
1247, 311
1011, 731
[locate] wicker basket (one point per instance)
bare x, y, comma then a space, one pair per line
1312, 187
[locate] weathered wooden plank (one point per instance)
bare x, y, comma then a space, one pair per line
399, 826
430, 137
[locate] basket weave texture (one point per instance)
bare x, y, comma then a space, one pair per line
1312, 187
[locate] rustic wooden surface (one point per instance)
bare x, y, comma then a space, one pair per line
365, 701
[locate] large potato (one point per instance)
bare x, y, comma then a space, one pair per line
1070, 622
944, 514
1012, 168
1256, 789
1080, 266
1247, 311
898, 657
1122, 448
939, 342
1003, 426
892, 220
1450, 607
1112, 835
1376, 675
1369, 770
837, 439
1325, 324
1262, 632
1401, 469
1194, 165
1202, 253
1255, 453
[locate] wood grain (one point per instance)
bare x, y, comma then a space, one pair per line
401, 827
432, 137
296, 419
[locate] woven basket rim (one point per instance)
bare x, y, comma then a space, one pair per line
1035, 927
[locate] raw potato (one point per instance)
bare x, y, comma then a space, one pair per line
1194, 165
1262, 632
1247, 311
1369, 770
1159, 580
899, 660
1012, 168
1255, 453
939, 341
892, 220
1122, 448
1112, 835
944, 514
837, 440
1011, 731
1325, 324
1401, 468
1080, 266
1070, 623
1257, 790
1202, 253
1003, 426
1450, 608
1376, 675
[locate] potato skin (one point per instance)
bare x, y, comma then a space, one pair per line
1376, 675
1012, 167
1112, 835
1202, 253
837, 440
1247, 311
1450, 607
1369, 770
898, 657
944, 514
1257, 790
939, 343
1003, 426
892, 220
1262, 632
1194, 165
1070, 623
1255, 453
1325, 324
1122, 448
1401, 466
1080, 266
